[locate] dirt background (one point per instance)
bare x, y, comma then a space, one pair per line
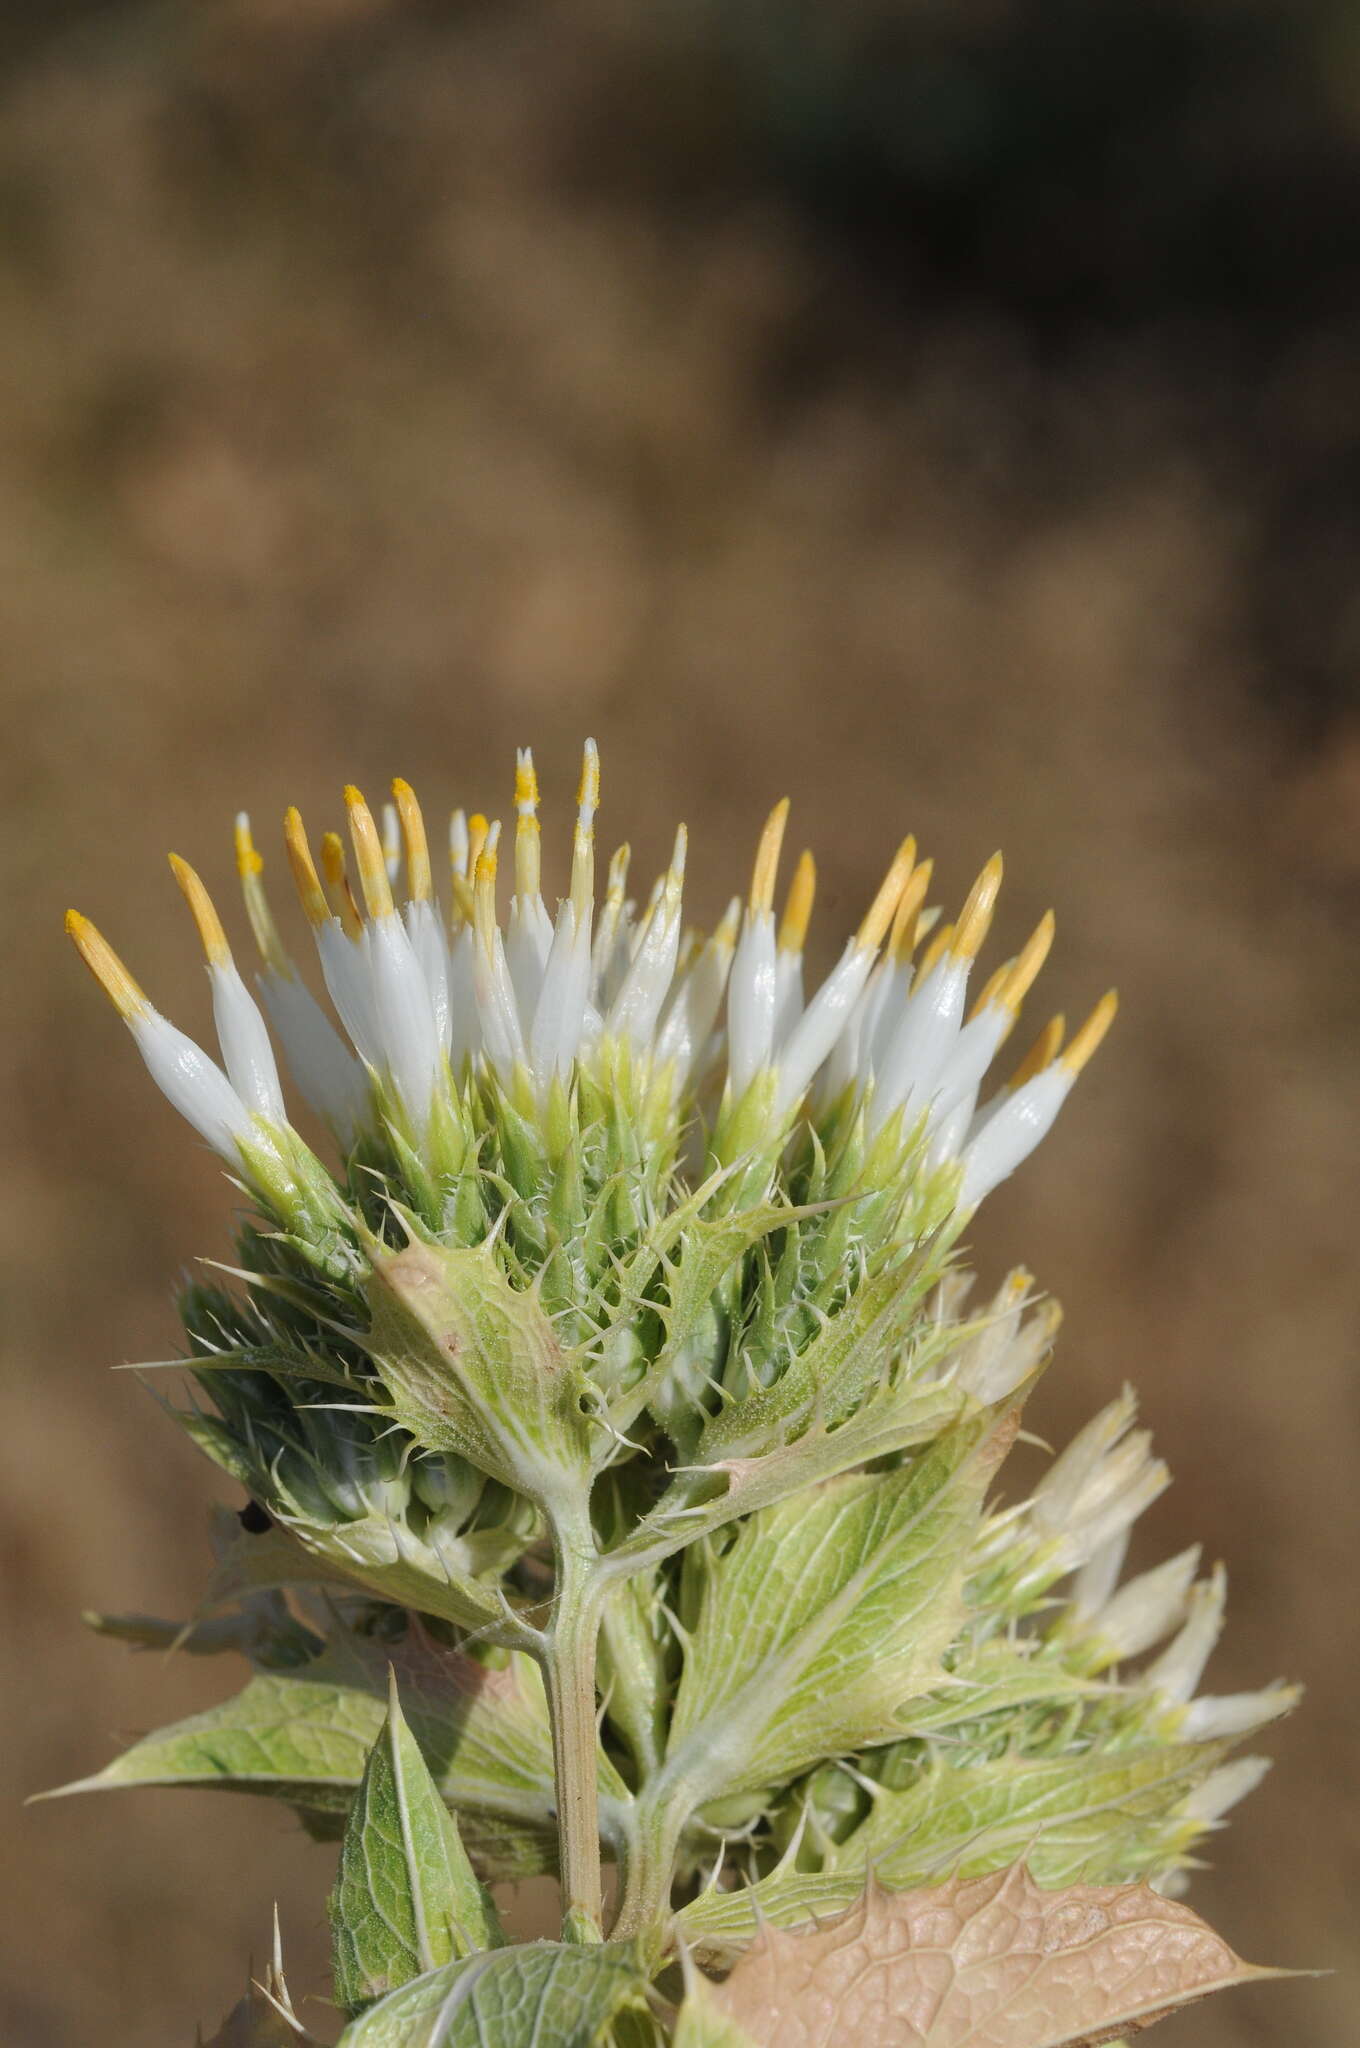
947, 415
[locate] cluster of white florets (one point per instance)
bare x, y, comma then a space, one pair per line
426, 997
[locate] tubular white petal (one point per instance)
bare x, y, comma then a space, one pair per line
1179, 1669
1057, 1494
328, 1077
948, 1133
788, 993
636, 1007
193, 1084
465, 1026
1149, 1607
555, 1033
976, 1047
751, 989
1236, 1713
826, 1016
1099, 1576
426, 934
502, 1038
1223, 1788
244, 1038
1007, 1138
349, 984
408, 1039
1120, 1509
922, 1042
528, 942
695, 1006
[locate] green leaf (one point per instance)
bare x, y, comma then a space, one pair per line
851, 1395
472, 1365
826, 1615
539, 1993
304, 1737
1075, 1819
406, 1899
380, 1554
720, 1924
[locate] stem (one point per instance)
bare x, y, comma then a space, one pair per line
569, 1670
650, 1865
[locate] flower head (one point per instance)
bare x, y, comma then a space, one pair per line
709, 1030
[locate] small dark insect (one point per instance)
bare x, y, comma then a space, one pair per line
254, 1519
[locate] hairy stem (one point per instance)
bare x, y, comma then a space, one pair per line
649, 1866
569, 1670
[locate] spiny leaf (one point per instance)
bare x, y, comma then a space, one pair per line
540, 1992
991, 1961
304, 1737
377, 1553
406, 1899
826, 1615
1096, 1817
472, 1365
850, 1395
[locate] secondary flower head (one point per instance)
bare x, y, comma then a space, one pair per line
714, 1031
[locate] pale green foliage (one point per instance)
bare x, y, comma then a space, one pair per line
406, 1899
540, 1992
539, 1391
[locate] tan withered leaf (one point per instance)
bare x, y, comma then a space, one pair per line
992, 1961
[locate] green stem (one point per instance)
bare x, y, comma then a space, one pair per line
569, 1670
649, 1868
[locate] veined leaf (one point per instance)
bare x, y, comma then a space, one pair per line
827, 1615
542, 1993
836, 1406
377, 1553
721, 1924
304, 1736
472, 1365
1076, 1818
406, 1899
1096, 1819
990, 1960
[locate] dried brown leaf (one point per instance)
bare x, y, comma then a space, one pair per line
992, 1961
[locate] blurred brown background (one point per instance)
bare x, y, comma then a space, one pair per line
947, 414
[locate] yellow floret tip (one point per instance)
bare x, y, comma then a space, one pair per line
419, 876
526, 782
877, 920
108, 970
1041, 1054
766, 867
588, 789
906, 923
793, 927
310, 892
976, 916
248, 861
333, 867
1028, 962
1086, 1041
205, 916
368, 855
